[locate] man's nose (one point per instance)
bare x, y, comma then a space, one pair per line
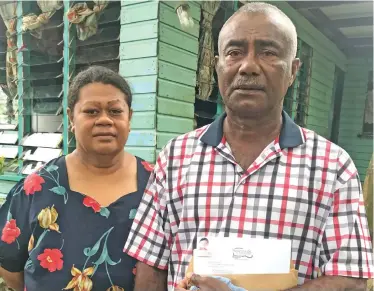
250, 65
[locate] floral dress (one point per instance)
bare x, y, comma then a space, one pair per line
64, 240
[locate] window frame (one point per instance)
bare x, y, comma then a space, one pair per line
364, 131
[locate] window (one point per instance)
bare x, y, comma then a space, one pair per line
208, 102
367, 129
296, 101
8, 107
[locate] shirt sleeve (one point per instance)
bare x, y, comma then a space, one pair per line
15, 229
149, 238
346, 245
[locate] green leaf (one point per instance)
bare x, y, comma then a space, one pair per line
2, 165
88, 252
104, 212
95, 269
52, 168
28, 264
40, 239
91, 252
132, 213
103, 257
110, 262
59, 190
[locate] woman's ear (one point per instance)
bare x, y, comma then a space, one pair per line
130, 114
130, 117
71, 122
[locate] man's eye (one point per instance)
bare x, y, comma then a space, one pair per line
234, 53
269, 53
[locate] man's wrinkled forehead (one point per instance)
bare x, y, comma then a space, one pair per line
263, 24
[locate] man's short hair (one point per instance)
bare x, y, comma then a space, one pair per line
203, 239
266, 8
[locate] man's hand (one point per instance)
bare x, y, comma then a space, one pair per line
203, 283
333, 283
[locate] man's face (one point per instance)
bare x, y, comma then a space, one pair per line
255, 64
204, 244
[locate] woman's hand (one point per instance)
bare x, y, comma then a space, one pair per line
203, 283
13, 280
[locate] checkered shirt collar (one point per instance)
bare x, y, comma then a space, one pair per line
291, 135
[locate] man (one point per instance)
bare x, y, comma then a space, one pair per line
253, 172
203, 244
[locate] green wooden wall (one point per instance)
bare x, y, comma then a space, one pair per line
352, 113
160, 61
177, 62
321, 93
139, 65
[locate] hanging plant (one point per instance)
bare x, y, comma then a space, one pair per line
5, 165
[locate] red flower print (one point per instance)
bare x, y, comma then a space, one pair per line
90, 202
10, 232
33, 183
51, 259
149, 167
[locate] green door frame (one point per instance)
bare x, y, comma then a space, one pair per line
336, 104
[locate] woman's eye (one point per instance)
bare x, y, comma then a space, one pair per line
116, 111
91, 111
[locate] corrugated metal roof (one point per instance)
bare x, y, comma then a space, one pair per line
349, 24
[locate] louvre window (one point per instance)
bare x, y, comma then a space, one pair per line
296, 101
367, 128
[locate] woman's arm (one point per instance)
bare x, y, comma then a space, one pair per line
150, 278
15, 236
13, 280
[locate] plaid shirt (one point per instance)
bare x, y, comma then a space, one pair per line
302, 187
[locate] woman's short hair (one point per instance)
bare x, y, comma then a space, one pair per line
97, 74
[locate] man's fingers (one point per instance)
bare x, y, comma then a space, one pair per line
183, 284
196, 280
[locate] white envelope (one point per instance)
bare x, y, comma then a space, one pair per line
272, 253
229, 255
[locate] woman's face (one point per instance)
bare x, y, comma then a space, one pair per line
101, 119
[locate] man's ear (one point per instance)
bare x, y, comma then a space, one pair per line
216, 60
296, 64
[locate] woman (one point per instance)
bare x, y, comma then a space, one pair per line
64, 227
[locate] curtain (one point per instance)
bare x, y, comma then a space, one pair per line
86, 19
205, 79
33, 22
8, 13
